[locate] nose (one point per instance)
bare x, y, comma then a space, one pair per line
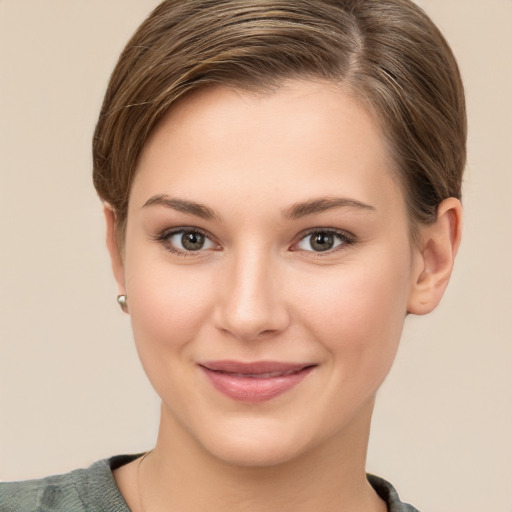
252, 304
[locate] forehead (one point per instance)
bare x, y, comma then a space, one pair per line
304, 139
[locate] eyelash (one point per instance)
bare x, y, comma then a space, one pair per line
164, 239
343, 237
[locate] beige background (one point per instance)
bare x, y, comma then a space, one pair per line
71, 390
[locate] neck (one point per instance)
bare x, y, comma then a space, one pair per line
180, 475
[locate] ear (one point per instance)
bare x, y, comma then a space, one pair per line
434, 258
113, 249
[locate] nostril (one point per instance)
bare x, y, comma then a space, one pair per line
267, 332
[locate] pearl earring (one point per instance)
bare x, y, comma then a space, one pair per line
121, 300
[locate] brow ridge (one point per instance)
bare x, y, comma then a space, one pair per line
323, 204
296, 211
182, 205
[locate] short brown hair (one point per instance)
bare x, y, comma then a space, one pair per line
388, 53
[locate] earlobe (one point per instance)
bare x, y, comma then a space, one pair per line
435, 257
113, 249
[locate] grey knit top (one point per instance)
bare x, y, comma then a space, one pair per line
94, 490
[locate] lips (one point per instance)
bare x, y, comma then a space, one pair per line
254, 382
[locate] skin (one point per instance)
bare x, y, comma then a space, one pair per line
258, 290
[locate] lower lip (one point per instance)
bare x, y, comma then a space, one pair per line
253, 389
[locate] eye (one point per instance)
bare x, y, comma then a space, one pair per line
322, 241
186, 241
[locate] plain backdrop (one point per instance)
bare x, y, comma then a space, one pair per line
71, 388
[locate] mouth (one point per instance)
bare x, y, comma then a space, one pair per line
254, 382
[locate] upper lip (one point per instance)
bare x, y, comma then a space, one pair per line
266, 368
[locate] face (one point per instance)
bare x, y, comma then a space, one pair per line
268, 269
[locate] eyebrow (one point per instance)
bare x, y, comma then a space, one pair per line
181, 205
296, 211
323, 204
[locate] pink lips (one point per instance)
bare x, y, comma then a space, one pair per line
254, 382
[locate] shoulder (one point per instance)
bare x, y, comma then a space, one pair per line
83, 490
388, 493
58, 492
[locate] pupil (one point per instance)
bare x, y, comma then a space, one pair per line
192, 241
322, 242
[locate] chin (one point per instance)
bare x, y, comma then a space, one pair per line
255, 452
257, 443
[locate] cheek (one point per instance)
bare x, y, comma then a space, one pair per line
357, 312
168, 308
169, 305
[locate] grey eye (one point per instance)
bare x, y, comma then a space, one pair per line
320, 241
190, 241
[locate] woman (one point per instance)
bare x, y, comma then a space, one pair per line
281, 182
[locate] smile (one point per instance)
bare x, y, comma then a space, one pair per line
254, 382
